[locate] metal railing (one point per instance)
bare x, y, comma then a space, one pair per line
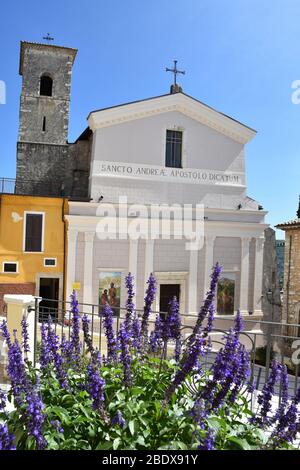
267, 341
30, 187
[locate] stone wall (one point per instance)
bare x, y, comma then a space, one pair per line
271, 298
53, 170
291, 298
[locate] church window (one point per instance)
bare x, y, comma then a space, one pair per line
46, 83
173, 149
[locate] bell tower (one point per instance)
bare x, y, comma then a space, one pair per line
45, 97
43, 151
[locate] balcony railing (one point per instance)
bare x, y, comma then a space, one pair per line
31, 187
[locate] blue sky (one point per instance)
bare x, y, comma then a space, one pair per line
240, 56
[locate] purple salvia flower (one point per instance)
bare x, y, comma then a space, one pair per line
95, 383
136, 333
24, 392
171, 327
25, 336
288, 424
86, 333
284, 382
6, 438
57, 426
189, 362
148, 301
57, 358
35, 418
124, 339
208, 442
66, 349
210, 296
156, 334
172, 324
242, 374
118, 420
50, 353
45, 353
196, 345
5, 333
230, 369
112, 344
129, 280
75, 330
199, 412
16, 371
210, 319
265, 397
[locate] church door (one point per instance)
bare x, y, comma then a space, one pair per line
167, 292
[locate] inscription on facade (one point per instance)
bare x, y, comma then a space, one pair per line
182, 175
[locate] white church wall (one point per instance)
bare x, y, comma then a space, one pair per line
142, 142
200, 277
140, 291
79, 274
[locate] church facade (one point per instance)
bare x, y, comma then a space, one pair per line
139, 165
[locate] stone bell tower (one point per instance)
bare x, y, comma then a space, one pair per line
42, 148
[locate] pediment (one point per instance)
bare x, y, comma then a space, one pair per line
179, 102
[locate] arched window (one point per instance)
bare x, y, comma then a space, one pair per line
46, 83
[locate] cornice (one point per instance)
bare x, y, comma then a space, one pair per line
168, 103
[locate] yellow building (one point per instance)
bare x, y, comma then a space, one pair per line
32, 246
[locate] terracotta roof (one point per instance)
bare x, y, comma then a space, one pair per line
290, 224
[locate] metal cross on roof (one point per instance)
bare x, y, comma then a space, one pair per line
175, 71
48, 38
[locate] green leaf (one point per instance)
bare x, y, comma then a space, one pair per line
116, 443
131, 427
141, 441
136, 391
241, 443
104, 445
216, 423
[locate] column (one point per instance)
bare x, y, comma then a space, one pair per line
19, 306
71, 261
133, 254
149, 257
258, 275
209, 260
193, 278
88, 268
244, 275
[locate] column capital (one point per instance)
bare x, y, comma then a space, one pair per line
210, 240
89, 237
72, 235
245, 241
259, 243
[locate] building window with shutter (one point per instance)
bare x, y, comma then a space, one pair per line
34, 232
173, 149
